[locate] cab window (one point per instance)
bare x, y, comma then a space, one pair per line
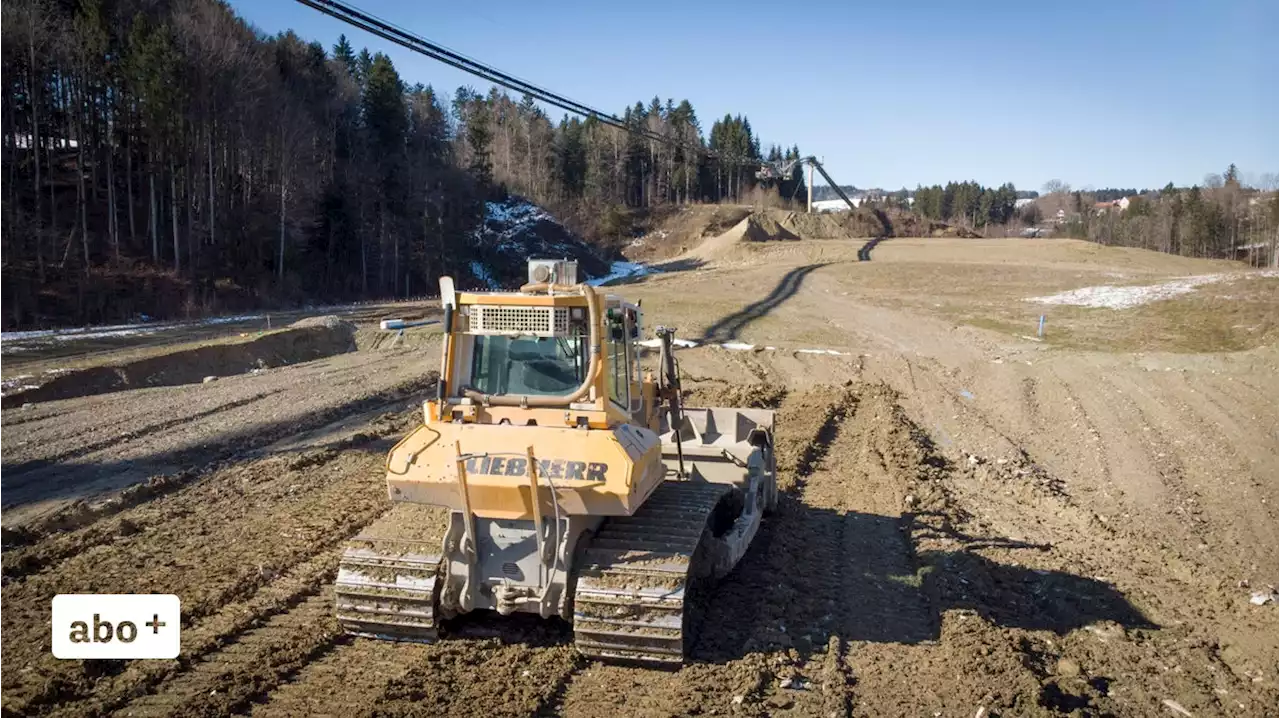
544, 366
619, 381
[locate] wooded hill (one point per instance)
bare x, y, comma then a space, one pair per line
164, 158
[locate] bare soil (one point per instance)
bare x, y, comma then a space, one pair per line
196, 364
971, 521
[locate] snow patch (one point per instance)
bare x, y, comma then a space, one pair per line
1112, 297
831, 352
622, 270
738, 346
483, 274
14, 384
515, 212
44, 336
505, 221
656, 343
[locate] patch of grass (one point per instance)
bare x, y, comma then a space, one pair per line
1004, 326
1223, 317
1220, 317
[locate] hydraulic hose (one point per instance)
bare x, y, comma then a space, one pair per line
593, 352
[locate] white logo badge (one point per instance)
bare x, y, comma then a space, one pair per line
117, 625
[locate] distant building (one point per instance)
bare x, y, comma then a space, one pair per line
836, 205
1023, 202
1101, 207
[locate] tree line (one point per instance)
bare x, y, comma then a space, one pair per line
967, 203
581, 168
1108, 194
164, 157
1223, 220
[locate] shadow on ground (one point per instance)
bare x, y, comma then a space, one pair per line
161, 472
727, 328
864, 252
680, 265
191, 365
815, 573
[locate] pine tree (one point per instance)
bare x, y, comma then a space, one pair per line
364, 63
479, 139
343, 53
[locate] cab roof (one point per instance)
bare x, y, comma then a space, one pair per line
535, 299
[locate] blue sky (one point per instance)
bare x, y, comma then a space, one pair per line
889, 94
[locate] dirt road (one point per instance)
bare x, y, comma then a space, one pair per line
972, 520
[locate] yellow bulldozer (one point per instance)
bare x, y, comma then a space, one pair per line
576, 484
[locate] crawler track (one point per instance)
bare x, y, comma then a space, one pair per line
637, 594
388, 592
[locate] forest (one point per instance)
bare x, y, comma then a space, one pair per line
166, 158
967, 203
1224, 219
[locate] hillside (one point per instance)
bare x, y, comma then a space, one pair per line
515, 230
496, 245
168, 159
705, 231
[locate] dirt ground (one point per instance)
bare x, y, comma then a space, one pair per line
975, 520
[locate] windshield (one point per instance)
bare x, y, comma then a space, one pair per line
544, 366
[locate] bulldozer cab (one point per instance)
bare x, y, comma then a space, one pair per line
546, 354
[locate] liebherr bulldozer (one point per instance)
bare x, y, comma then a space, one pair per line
575, 485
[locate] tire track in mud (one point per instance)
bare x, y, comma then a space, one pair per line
208, 636
775, 612
27, 560
147, 430
244, 677
1182, 443
225, 681
339, 675
217, 543
881, 473
521, 674
1009, 612
211, 457
1161, 453
343, 681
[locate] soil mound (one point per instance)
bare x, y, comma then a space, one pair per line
741, 396
671, 233
836, 225
316, 338
755, 227
764, 227
328, 321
